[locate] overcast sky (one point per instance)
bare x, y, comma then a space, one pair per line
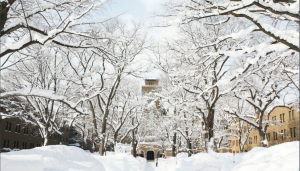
141, 11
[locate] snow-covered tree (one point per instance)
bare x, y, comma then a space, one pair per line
276, 19
201, 68
31, 22
261, 86
123, 114
42, 72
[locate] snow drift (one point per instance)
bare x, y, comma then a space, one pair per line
67, 158
276, 158
52, 157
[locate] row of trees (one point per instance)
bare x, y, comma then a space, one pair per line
71, 68
229, 61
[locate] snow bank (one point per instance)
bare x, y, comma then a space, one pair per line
122, 162
277, 158
53, 157
202, 161
67, 158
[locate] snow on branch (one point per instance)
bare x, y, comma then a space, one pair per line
44, 94
233, 112
39, 35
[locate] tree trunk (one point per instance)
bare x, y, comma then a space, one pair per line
101, 146
189, 147
134, 145
115, 142
262, 137
4, 8
134, 142
46, 136
173, 146
205, 144
103, 133
210, 128
83, 144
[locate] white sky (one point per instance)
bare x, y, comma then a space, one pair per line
141, 11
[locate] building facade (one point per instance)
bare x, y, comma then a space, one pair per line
149, 148
283, 127
16, 134
18, 131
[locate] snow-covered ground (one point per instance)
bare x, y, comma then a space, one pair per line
67, 158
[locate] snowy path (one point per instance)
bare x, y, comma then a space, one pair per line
150, 166
67, 158
163, 165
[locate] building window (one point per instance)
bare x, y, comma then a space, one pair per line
6, 143
293, 114
32, 132
283, 117
268, 136
17, 129
275, 135
294, 131
16, 144
31, 145
25, 130
281, 134
255, 139
291, 130
290, 115
24, 145
8, 126
280, 118
284, 133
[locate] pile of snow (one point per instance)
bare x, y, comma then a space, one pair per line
277, 158
202, 161
52, 157
67, 158
121, 162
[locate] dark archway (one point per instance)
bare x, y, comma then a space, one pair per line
150, 155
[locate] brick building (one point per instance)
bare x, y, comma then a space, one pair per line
18, 131
283, 127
